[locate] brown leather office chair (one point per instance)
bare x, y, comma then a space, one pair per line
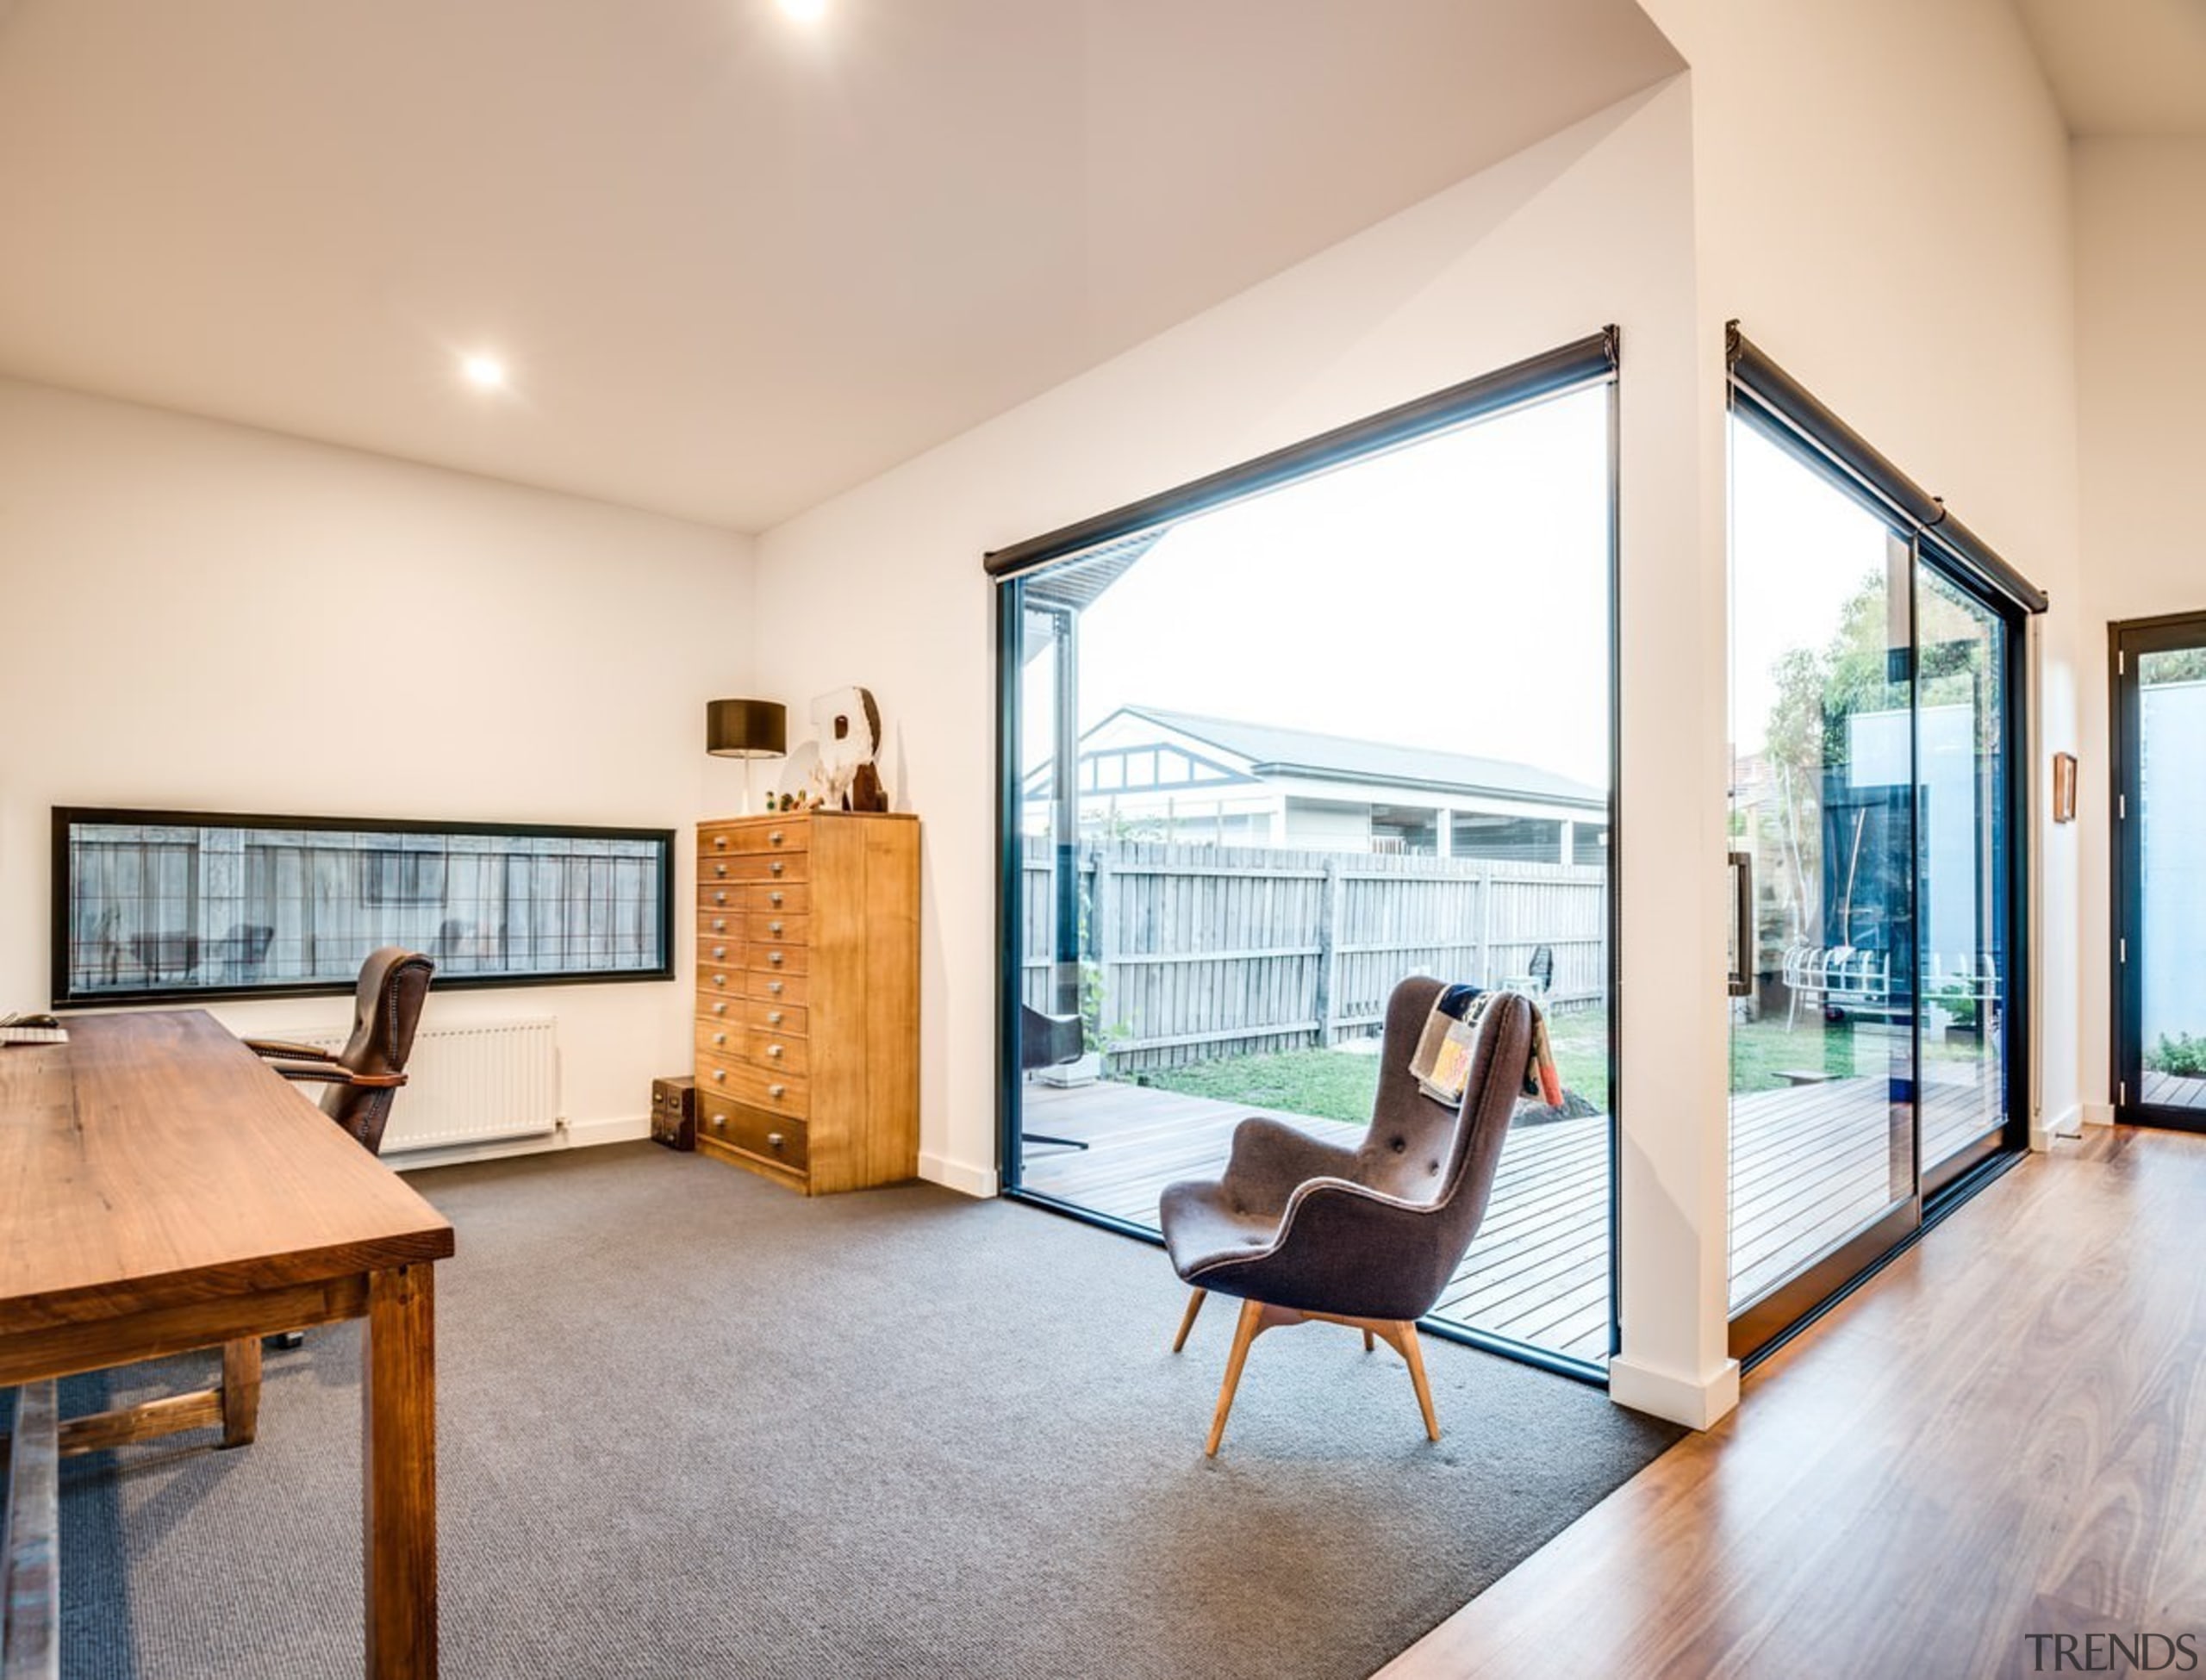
365, 1076
1300, 1229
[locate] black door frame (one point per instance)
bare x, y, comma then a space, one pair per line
1760, 1326
2127, 639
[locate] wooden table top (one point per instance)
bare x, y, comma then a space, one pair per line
154, 1159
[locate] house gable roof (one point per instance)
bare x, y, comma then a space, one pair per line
1271, 751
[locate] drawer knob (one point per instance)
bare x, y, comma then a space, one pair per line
720, 925
719, 1121
774, 838
720, 1073
720, 869
774, 986
776, 1091
720, 953
774, 928
719, 1038
774, 899
719, 840
773, 1017
773, 957
720, 898
775, 1139
719, 979
720, 1008
775, 1051
776, 865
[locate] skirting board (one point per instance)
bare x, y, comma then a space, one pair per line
2098, 1114
958, 1175
2069, 1122
1678, 1399
625, 1129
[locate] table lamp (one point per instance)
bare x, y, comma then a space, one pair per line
746, 729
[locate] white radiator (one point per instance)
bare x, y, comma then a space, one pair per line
468, 1085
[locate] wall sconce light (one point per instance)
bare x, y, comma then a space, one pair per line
746, 729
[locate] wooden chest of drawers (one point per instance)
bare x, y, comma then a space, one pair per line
808, 997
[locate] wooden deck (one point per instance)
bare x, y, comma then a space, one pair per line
2174, 1090
1808, 1166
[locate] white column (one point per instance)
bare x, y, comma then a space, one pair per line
1672, 1102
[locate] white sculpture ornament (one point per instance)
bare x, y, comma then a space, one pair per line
845, 777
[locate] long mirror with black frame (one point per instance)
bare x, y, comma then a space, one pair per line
1879, 1002
1278, 745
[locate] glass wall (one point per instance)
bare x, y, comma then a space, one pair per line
1872, 820
1274, 758
1823, 777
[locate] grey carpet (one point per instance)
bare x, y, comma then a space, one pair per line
691, 1425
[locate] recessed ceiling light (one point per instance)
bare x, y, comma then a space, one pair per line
806, 11
485, 371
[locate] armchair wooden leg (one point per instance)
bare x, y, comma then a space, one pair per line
1407, 1342
1252, 1321
240, 1392
1370, 1342
1187, 1323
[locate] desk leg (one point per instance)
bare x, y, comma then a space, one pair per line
240, 1392
399, 1470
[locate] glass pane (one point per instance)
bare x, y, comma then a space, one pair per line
2171, 840
1348, 730
1961, 775
176, 909
1823, 778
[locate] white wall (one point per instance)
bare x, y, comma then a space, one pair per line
2141, 270
1884, 205
201, 616
884, 586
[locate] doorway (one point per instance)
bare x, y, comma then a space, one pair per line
1876, 1009
2159, 871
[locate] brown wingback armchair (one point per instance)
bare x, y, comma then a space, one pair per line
1300, 1229
363, 1077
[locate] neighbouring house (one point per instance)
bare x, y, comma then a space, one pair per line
1160, 775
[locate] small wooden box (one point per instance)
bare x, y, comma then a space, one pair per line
674, 1113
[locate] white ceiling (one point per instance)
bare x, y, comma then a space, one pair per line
2124, 67
736, 264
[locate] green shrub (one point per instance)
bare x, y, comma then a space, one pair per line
2182, 1055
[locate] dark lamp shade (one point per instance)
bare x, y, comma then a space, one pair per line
746, 728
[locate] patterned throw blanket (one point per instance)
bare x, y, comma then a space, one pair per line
1442, 1061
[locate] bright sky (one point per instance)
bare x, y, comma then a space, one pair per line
1801, 548
1453, 594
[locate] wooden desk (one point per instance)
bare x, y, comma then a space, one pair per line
165, 1190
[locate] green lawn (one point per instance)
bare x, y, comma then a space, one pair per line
1338, 1085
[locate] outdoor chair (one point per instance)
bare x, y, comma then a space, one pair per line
1299, 1229
1538, 977
1050, 1041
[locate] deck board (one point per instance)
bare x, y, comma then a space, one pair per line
1809, 1165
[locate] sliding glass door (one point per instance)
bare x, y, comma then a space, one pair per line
1964, 875
1874, 838
2159, 986
1824, 827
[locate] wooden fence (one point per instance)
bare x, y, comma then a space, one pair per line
1190, 952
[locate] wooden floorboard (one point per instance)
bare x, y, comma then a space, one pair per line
1809, 1165
2003, 1434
